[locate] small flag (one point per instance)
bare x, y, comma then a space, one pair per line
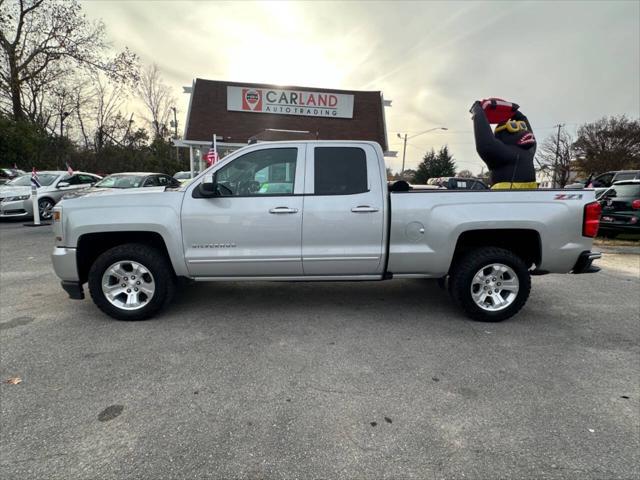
35, 181
212, 155
69, 169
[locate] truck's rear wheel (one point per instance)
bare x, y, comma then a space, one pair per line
490, 284
131, 282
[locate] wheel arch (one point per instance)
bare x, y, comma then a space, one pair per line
525, 243
91, 245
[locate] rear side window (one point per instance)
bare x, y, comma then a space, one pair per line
340, 171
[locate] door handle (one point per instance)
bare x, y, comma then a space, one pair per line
283, 210
364, 209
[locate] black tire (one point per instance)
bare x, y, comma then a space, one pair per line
153, 260
472, 262
45, 207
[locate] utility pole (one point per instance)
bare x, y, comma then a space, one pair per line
555, 163
404, 152
404, 149
175, 130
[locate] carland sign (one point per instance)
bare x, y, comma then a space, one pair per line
289, 102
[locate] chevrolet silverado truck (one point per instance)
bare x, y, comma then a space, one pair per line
317, 211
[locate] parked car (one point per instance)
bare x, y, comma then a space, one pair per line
184, 177
137, 180
458, 183
15, 196
620, 208
605, 180
8, 174
336, 220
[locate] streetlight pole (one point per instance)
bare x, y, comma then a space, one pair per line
405, 138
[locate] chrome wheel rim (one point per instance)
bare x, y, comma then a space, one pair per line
45, 208
128, 285
494, 287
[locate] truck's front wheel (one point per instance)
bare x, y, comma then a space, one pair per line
131, 282
490, 284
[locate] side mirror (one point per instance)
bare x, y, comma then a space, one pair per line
208, 187
63, 184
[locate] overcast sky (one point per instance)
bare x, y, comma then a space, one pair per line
563, 62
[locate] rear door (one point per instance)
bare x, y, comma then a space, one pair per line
254, 228
342, 228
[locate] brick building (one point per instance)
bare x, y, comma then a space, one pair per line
240, 113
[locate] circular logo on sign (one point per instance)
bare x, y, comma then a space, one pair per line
252, 97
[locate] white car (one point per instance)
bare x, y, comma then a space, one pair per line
15, 196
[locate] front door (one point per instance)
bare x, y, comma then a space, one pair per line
343, 225
254, 227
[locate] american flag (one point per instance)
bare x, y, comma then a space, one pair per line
35, 181
212, 155
69, 169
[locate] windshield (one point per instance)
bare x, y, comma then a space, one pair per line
45, 180
631, 190
121, 181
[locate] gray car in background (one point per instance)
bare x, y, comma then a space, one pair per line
15, 196
138, 180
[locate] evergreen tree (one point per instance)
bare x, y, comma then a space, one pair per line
434, 164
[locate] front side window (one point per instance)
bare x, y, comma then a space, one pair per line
340, 171
270, 171
87, 179
151, 182
603, 180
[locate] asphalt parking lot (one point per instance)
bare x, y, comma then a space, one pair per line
309, 380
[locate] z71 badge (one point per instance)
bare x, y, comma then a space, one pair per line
568, 196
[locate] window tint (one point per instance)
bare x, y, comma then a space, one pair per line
73, 180
269, 171
340, 171
603, 180
87, 179
151, 182
164, 180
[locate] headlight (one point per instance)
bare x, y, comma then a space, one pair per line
15, 199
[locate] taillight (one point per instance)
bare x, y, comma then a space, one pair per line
635, 204
591, 220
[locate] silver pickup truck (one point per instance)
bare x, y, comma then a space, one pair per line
320, 210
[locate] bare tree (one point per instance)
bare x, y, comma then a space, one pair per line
608, 144
42, 40
158, 100
108, 101
556, 157
465, 174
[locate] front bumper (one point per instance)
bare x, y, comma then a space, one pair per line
584, 263
74, 289
65, 264
66, 267
16, 209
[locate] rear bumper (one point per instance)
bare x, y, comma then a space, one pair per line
619, 227
584, 263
